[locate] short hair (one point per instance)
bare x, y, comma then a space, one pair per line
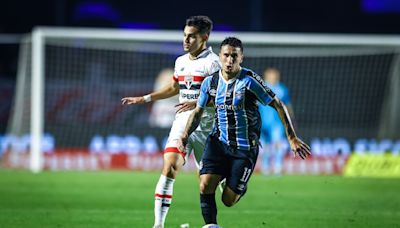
202, 23
232, 41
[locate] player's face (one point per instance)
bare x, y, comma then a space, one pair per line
231, 58
193, 41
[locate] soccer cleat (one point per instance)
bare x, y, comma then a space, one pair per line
222, 185
158, 226
211, 226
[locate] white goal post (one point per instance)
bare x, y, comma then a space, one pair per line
40, 35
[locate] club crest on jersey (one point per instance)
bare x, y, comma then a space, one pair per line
188, 81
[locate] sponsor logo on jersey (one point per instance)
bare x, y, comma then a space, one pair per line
229, 107
261, 81
190, 96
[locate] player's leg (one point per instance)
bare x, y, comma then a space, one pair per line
229, 197
212, 170
173, 162
241, 170
197, 141
196, 144
208, 184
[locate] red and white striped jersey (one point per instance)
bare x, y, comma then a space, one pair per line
191, 73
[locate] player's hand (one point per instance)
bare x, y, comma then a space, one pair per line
299, 148
185, 106
132, 100
181, 144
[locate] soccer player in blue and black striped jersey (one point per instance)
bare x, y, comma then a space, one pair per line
232, 148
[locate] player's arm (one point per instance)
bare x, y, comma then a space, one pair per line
290, 110
266, 96
191, 125
195, 117
185, 106
297, 145
169, 90
287, 101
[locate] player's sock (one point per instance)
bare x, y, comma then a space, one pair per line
208, 208
163, 198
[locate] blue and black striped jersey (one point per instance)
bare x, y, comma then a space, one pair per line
238, 120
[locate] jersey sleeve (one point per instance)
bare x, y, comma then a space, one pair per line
204, 93
175, 76
258, 87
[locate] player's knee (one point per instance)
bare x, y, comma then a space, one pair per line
170, 170
205, 187
167, 171
172, 164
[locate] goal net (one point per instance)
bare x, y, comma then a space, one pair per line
70, 82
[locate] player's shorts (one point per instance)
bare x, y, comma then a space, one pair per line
231, 163
196, 141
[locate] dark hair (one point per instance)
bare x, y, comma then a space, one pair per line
232, 41
202, 23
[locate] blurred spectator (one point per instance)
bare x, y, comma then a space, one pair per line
273, 136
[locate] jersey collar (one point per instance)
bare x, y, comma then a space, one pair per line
238, 75
203, 53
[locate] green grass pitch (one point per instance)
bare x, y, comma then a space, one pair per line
125, 199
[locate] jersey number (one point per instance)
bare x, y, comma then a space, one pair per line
246, 174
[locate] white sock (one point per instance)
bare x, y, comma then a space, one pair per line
162, 199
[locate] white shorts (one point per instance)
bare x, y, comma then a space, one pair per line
196, 141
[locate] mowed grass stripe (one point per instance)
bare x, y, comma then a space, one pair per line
125, 199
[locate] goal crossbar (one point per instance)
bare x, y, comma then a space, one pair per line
217, 36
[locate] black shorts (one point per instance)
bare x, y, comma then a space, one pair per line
231, 163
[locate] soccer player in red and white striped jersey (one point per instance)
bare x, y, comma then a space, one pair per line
190, 70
